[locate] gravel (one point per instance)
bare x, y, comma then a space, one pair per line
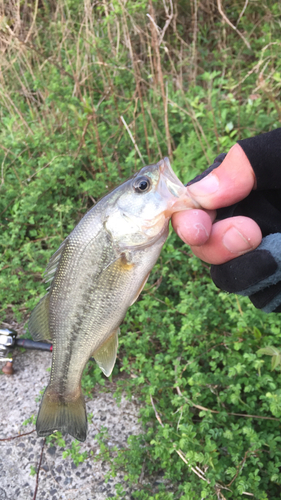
58, 478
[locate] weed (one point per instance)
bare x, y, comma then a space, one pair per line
30, 420
74, 453
33, 471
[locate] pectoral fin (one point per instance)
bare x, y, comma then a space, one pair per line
105, 356
38, 323
140, 289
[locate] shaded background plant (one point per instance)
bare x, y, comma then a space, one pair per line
89, 92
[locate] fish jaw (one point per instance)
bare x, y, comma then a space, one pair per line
173, 190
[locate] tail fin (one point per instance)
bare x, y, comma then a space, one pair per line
58, 414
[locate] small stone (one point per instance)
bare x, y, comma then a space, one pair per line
8, 368
52, 450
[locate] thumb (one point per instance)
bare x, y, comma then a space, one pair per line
229, 183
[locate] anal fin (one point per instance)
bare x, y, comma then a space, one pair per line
38, 323
105, 356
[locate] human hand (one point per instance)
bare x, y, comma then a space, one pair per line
244, 218
226, 239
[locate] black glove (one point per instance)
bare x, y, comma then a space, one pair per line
257, 274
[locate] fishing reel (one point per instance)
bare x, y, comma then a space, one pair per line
7, 342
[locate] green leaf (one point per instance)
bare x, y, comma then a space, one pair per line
270, 351
275, 361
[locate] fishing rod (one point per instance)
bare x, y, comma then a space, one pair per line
8, 342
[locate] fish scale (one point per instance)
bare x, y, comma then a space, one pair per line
95, 275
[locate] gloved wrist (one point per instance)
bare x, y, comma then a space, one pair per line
256, 274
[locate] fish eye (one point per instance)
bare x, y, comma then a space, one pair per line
142, 185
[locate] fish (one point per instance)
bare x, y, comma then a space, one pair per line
97, 273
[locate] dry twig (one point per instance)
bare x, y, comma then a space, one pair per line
242, 12
132, 139
196, 469
232, 25
155, 34
18, 436
38, 470
203, 408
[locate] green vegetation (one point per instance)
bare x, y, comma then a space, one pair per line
187, 79
74, 453
33, 471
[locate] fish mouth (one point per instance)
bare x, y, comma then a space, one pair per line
172, 182
173, 190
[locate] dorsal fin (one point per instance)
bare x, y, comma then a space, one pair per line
51, 268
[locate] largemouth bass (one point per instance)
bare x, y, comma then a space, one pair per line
95, 275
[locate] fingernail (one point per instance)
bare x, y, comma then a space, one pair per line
235, 242
208, 185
